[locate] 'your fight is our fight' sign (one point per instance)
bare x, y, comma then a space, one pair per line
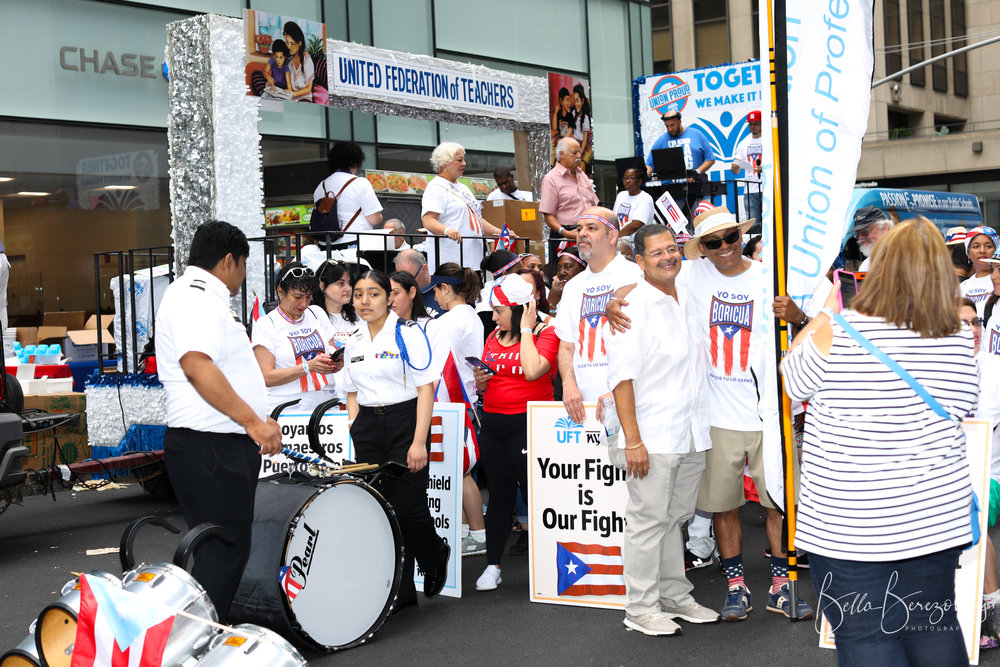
444, 487
576, 499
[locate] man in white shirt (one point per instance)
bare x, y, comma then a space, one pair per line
749, 152
661, 445
583, 361
217, 424
727, 290
507, 187
358, 208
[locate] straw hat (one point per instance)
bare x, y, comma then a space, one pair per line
709, 222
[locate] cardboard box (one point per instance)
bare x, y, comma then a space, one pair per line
70, 319
72, 439
521, 217
81, 345
27, 336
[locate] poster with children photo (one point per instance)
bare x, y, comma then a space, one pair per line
286, 57
569, 109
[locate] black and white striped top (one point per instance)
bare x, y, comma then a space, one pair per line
883, 476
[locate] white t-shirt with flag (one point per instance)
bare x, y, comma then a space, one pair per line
291, 343
633, 207
750, 150
582, 321
457, 208
979, 290
730, 309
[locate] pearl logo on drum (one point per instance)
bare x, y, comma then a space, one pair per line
298, 567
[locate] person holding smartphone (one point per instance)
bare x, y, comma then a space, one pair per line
520, 355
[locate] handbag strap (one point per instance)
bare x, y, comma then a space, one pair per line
895, 367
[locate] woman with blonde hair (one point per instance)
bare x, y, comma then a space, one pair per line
886, 502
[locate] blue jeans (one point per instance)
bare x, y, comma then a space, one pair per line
892, 613
753, 203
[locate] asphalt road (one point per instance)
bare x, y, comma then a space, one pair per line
42, 542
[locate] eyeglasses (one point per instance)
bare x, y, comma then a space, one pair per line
297, 272
974, 322
729, 239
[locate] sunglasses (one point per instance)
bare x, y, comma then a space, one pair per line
297, 272
974, 322
729, 239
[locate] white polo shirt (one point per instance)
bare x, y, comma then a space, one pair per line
662, 355
375, 370
194, 316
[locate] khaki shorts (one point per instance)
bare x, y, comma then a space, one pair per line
721, 487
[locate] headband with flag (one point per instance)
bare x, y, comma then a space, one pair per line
506, 267
593, 216
573, 257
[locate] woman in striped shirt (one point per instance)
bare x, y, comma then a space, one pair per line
886, 496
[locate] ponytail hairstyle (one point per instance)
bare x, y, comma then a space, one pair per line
471, 286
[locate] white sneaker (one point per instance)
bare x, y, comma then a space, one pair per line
692, 613
472, 547
654, 624
489, 579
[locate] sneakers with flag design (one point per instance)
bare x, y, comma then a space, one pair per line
778, 602
692, 612
655, 624
489, 579
472, 547
738, 604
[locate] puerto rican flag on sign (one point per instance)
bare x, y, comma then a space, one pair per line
589, 569
672, 212
111, 618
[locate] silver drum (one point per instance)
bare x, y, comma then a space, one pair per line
55, 630
24, 654
175, 588
249, 645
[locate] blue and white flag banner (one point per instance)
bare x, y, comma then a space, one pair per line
424, 82
830, 61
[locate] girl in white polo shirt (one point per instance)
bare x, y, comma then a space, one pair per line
389, 381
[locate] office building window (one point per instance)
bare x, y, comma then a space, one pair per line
939, 70
663, 45
893, 52
915, 36
959, 63
711, 33
755, 27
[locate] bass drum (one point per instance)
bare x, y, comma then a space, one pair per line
249, 645
326, 563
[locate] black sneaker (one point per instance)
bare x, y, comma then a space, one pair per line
520, 547
693, 562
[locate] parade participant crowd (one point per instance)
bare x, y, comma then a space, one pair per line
684, 319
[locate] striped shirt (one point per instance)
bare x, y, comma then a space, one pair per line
883, 476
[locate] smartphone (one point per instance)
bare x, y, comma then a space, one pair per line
339, 354
850, 283
479, 363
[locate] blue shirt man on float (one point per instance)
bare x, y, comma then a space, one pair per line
698, 152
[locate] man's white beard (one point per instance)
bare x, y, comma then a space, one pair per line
866, 248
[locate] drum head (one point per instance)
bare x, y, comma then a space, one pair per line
342, 564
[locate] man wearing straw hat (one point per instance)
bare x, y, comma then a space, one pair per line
727, 288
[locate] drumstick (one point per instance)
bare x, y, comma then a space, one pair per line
351, 467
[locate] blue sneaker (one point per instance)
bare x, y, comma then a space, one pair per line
737, 604
778, 602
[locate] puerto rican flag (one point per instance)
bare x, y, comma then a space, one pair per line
672, 212
451, 390
255, 312
729, 329
504, 240
111, 618
589, 569
593, 310
437, 439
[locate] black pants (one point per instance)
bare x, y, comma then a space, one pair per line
215, 478
503, 444
387, 437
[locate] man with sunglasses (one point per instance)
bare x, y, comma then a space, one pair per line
217, 423
726, 288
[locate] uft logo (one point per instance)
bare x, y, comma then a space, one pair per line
568, 432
